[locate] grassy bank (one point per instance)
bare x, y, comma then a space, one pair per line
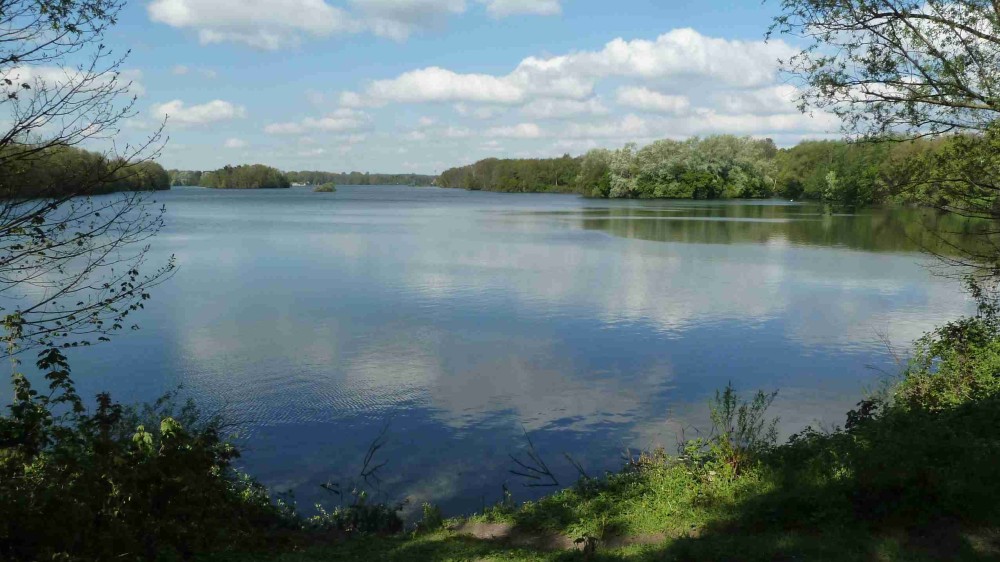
913, 474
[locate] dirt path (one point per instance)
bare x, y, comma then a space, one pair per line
513, 536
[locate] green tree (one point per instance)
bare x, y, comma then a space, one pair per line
907, 69
69, 263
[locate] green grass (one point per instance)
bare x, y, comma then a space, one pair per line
913, 475
897, 485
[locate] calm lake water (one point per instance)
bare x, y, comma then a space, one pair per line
460, 317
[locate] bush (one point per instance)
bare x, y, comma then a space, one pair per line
741, 432
361, 517
121, 483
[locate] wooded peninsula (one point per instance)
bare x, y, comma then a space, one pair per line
719, 167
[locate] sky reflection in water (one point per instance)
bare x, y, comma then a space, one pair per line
458, 317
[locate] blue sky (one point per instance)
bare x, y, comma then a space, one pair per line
422, 85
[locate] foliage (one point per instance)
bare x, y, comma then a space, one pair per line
69, 262
359, 178
360, 517
194, 177
723, 167
185, 177
120, 483
325, 188
252, 176
912, 69
891, 67
515, 176
60, 171
741, 432
431, 520
594, 179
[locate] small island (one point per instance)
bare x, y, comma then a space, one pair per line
253, 176
328, 187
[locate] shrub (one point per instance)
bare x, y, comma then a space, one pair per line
360, 517
120, 483
741, 433
432, 519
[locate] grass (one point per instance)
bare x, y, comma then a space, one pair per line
913, 475
900, 486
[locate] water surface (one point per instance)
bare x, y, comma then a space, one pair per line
463, 318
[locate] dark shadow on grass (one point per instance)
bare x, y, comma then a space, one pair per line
899, 485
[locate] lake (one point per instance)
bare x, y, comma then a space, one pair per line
459, 320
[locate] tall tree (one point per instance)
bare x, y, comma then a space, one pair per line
905, 69
69, 260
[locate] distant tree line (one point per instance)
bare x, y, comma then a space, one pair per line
197, 178
359, 178
58, 171
721, 167
248, 176
517, 176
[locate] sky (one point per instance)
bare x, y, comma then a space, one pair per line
423, 85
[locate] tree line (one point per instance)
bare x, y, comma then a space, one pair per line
247, 176
721, 167
359, 178
60, 171
198, 178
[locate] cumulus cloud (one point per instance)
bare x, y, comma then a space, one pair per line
648, 100
479, 112
631, 127
767, 101
273, 24
398, 19
700, 121
548, 108
456, 132
519, 131
341, 120
436, 84
51, 78
235, 143
504, 8
681, 53
267, 24
212, 112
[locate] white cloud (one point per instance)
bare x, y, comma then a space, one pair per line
479, 112
341, 120
630, 127
519, 131
767, 101
267, 24
456, 133
211, 112
681, 53
548, 108
648, 100
180, 70
51, 78
436, 84
235, 143
426, 121
398, 19
273, 24
503, 8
